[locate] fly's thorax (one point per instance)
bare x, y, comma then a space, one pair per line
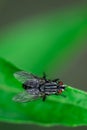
49, 88
51, 84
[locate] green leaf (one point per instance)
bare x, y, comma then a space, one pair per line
56, 110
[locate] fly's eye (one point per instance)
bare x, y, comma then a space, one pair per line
60, 91
60, 83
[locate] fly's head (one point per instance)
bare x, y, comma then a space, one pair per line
61, 87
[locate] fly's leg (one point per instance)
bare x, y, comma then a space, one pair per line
56, 93
44, 75
44, 97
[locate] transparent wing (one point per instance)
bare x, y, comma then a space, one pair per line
25, 97
23, 76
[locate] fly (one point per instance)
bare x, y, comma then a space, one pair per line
36, 87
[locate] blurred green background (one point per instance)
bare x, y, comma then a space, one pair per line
45, 36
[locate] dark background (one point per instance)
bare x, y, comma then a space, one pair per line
12, 11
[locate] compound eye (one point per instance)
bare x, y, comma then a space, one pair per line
60, 91
60, 83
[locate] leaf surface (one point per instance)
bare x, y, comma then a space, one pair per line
56, 110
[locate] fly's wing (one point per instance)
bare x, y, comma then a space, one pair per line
26, 96
23, 76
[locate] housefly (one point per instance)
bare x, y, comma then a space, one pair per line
36, 87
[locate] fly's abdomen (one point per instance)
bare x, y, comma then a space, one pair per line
30, 84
